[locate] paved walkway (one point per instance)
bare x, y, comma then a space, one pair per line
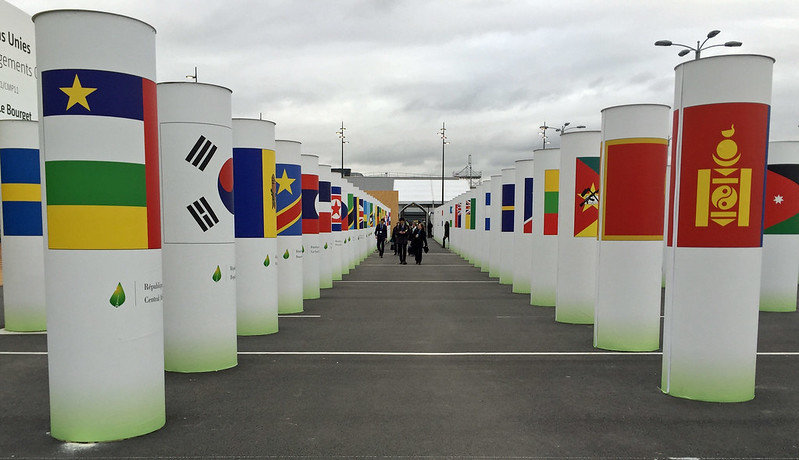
431, 360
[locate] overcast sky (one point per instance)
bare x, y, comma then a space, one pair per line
494, 71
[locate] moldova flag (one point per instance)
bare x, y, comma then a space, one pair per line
782, 200
634, 197
528, 205
310, 192
21, 191
255, 188
586, 197
93, 203
508, 199
325, 219
289, 199
551, 187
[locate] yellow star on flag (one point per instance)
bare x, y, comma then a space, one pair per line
591, 201
284, 183
77, 94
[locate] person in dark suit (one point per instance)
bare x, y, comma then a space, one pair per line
418, 242
446, 234
381, 233
403, 232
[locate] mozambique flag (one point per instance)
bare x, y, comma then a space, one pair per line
255, 189
528, 205
635, 189
289, 199
21, 191
551, 187
93, 203
508, 198
352, 211
586, 197
325, 219
310, 192
722, 175
782, 200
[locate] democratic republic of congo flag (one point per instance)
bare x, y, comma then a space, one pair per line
352, 211
93, 203
310, 192
21, 191
289, 199
782, 200
551, 187
633, 201
325, 218
586, 196
528, 205
255, 190
508, 198
336, 208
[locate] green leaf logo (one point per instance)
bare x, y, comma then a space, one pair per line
217, 274
349, 239
118, 297
286, 254
303, 249
266, 261
325, 245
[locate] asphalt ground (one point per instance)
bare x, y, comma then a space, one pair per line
434, 361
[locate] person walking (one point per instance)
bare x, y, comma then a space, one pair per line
381, 233
446, 234
401, 239
394, 240
418, 242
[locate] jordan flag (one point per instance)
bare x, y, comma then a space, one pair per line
782, 200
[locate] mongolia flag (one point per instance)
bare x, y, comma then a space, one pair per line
255, 189
352, 211
508, 198
289, 199
325, 219
336, 209
551, 187
586, 197
722, 175
93, 203
635, 189
782, 200
310, 192
528, 205
21, 191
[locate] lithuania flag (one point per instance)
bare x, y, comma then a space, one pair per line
551, 187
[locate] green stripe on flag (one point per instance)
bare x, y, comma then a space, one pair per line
550, 202
101, 183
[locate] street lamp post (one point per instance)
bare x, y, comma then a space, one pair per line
442, 132
565, 127
343, 141
699, 46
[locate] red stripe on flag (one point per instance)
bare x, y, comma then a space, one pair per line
151, 170
551, 224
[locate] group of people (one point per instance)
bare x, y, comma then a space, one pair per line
405, 238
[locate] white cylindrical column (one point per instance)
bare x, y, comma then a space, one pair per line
327, 259
199, 248
338, 213
23, 246
483, 224
495, 232
470, 205
632, 202
578, 205
99, 142
255, 208
780, 229
310, 227
712, 292
544, 258
352, 227
289, 226
523, 226
508, 201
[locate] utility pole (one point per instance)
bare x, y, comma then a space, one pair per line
343, 141
444, 142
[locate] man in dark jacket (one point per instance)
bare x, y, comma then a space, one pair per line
401, 237
446, 233
381, 233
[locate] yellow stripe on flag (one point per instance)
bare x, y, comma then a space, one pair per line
551, 177
21, 192
268, 170
97, 227
507, 208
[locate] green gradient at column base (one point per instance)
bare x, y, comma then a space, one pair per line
542, 299
520, 290
94, 424
700, 388
254, 326
573, 317
777, 304
27, 321
505, 278
628, 343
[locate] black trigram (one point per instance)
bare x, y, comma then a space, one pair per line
201, 153
203, 214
